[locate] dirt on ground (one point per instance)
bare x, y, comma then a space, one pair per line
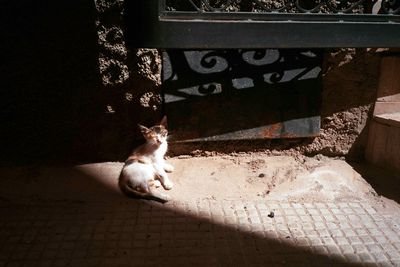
244, 176
257, 176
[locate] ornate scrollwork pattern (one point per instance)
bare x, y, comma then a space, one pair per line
224, 71
391, 7
289, 6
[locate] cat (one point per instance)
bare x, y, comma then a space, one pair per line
146, 168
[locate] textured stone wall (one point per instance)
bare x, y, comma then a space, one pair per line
131, 78
350, 81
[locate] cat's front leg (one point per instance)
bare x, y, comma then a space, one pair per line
168, 167
163, 177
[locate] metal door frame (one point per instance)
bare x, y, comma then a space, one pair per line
213, 29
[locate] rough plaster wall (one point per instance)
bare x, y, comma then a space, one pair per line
350, 81
131, 78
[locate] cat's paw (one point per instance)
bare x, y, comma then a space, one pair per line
168, 185
168, 167
157, 183
166, 198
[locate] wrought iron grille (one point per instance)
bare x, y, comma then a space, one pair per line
194, 24
288, 6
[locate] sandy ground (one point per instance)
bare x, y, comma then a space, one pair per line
250, 176
277, 178
256, 176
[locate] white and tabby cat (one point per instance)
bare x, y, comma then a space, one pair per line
146, 168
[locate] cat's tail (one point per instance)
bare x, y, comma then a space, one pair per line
150, 193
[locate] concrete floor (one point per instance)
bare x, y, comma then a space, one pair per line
75, 216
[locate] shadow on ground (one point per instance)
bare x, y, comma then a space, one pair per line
385, 182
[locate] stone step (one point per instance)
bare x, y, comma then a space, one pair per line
391, 119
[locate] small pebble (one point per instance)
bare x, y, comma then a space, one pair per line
271, 214
184, 157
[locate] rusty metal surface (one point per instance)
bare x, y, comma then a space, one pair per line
242, 94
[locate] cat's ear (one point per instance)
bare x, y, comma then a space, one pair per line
164, 122
144, 129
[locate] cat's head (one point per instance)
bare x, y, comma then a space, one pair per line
157, 134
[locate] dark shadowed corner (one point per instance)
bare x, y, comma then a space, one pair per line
50, 79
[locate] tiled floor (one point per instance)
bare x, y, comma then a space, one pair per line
199, 233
